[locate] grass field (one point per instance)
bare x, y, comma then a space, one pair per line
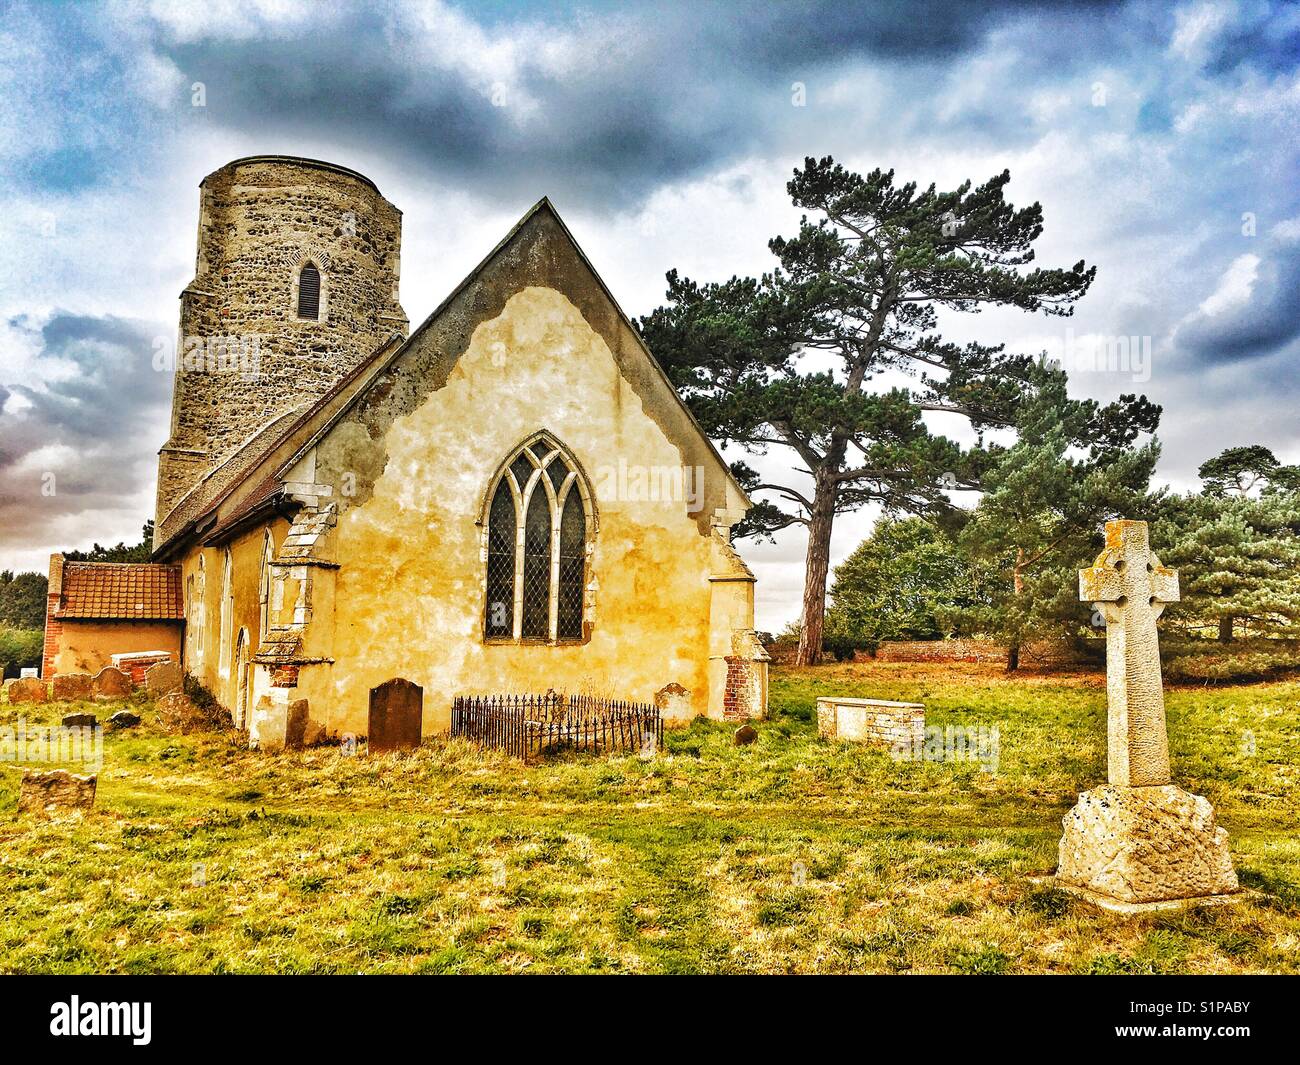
793, 855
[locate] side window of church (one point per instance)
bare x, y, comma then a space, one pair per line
537, 525
309, 293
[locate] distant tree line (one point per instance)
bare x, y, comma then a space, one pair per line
1008, 572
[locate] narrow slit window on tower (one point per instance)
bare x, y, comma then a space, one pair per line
309, 293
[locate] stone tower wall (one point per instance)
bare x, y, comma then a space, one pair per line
244, 356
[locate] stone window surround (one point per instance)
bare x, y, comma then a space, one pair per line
264, 586
299, 260
224, 669
241, 668
576, 481
200, 618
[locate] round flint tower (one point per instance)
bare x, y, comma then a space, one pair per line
295, 284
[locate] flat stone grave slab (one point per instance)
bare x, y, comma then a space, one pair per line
871, 721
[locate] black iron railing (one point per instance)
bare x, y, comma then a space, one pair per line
533, 726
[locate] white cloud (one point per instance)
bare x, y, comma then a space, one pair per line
1195, 28
1234, 287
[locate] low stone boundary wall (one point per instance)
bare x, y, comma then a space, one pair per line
939, 651
1037, 653
871, 721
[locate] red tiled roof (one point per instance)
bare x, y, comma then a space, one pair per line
121, 590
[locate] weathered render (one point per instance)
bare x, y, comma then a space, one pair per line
95, 610
346, 542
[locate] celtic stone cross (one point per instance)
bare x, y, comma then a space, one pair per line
1130, 587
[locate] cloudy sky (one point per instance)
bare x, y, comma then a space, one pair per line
1161, 140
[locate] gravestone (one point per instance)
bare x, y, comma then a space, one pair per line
124, 719
674, 705
295, 727
71, 686
745, 735
1139, 842
80, 721
27, 690
396, 714
268, 722
176, 713
164, 678
54, 790
111, 683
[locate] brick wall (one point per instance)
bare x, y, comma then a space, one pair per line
938, 651
53, 637
53, 626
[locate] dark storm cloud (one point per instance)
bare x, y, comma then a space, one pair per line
607, 105
1261, 325
75, 437
663, 95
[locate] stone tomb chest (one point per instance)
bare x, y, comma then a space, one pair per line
871, 721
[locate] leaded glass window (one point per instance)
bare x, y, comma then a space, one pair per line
501, 563
537, 538
573, 556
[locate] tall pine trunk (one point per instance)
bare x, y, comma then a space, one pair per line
1225, 630
1018, 589
817, 569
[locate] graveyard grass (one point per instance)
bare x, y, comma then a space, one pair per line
792, 855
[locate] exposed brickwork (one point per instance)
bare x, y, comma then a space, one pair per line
136, 665
260, 220
1039, 653
53, 637
284, 677
1035, 653
745, 695
940, 651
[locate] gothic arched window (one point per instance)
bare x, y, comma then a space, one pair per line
538, 517
264, 586
227, 615
199, 619
309, 292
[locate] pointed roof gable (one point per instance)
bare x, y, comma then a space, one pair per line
541, 207
260, 481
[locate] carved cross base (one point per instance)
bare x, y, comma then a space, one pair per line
1145, 848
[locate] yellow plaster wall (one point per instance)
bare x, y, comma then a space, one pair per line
88, 646
410, 587
246, 573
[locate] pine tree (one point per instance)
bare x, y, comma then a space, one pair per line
1041, 518
1238, 558
863, 286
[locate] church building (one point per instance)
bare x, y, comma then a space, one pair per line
511, 498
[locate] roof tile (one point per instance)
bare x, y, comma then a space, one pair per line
121, 590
